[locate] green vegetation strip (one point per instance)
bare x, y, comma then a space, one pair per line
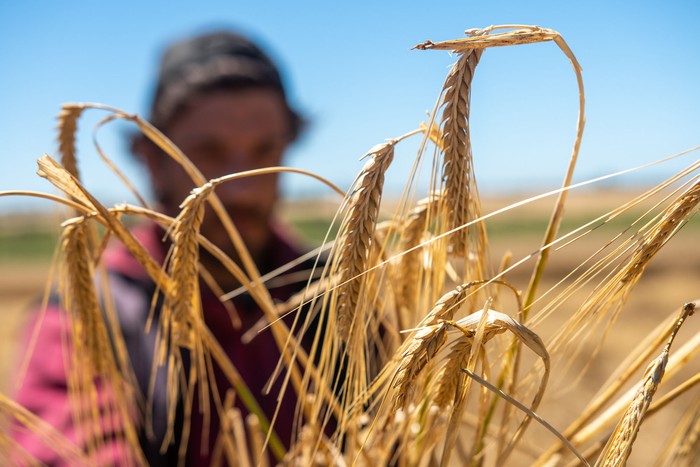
30, 245
39, 243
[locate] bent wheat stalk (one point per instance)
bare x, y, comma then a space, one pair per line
483, 38
47, 433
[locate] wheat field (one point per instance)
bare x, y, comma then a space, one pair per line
465, 333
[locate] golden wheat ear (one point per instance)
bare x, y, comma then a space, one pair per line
460, 196
411, 270
96, 369
619, 446
357, 237
93, 352
457, 147
67, 127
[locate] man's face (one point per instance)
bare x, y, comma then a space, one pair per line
225, 132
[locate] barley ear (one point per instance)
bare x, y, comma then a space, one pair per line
67, 126
657, 237
424, 345
358, 236
457, 169
449, 378
93, 356
619, 447
181, 320
411, 264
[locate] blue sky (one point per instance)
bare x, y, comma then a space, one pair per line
350, 68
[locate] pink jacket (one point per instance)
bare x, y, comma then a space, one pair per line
44, 390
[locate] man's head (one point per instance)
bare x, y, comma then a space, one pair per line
221, 101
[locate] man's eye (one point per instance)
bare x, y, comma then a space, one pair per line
207, 151
268, 150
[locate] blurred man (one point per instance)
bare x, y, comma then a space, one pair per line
221, 100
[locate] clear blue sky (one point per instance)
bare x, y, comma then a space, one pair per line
349, 68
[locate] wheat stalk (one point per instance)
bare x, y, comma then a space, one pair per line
48, 434
425, 342
686, 446
257, 441
479, 336
482, 38
611, 294
63, 180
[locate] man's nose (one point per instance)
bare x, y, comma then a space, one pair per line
237, 161
238, 188
248, 189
